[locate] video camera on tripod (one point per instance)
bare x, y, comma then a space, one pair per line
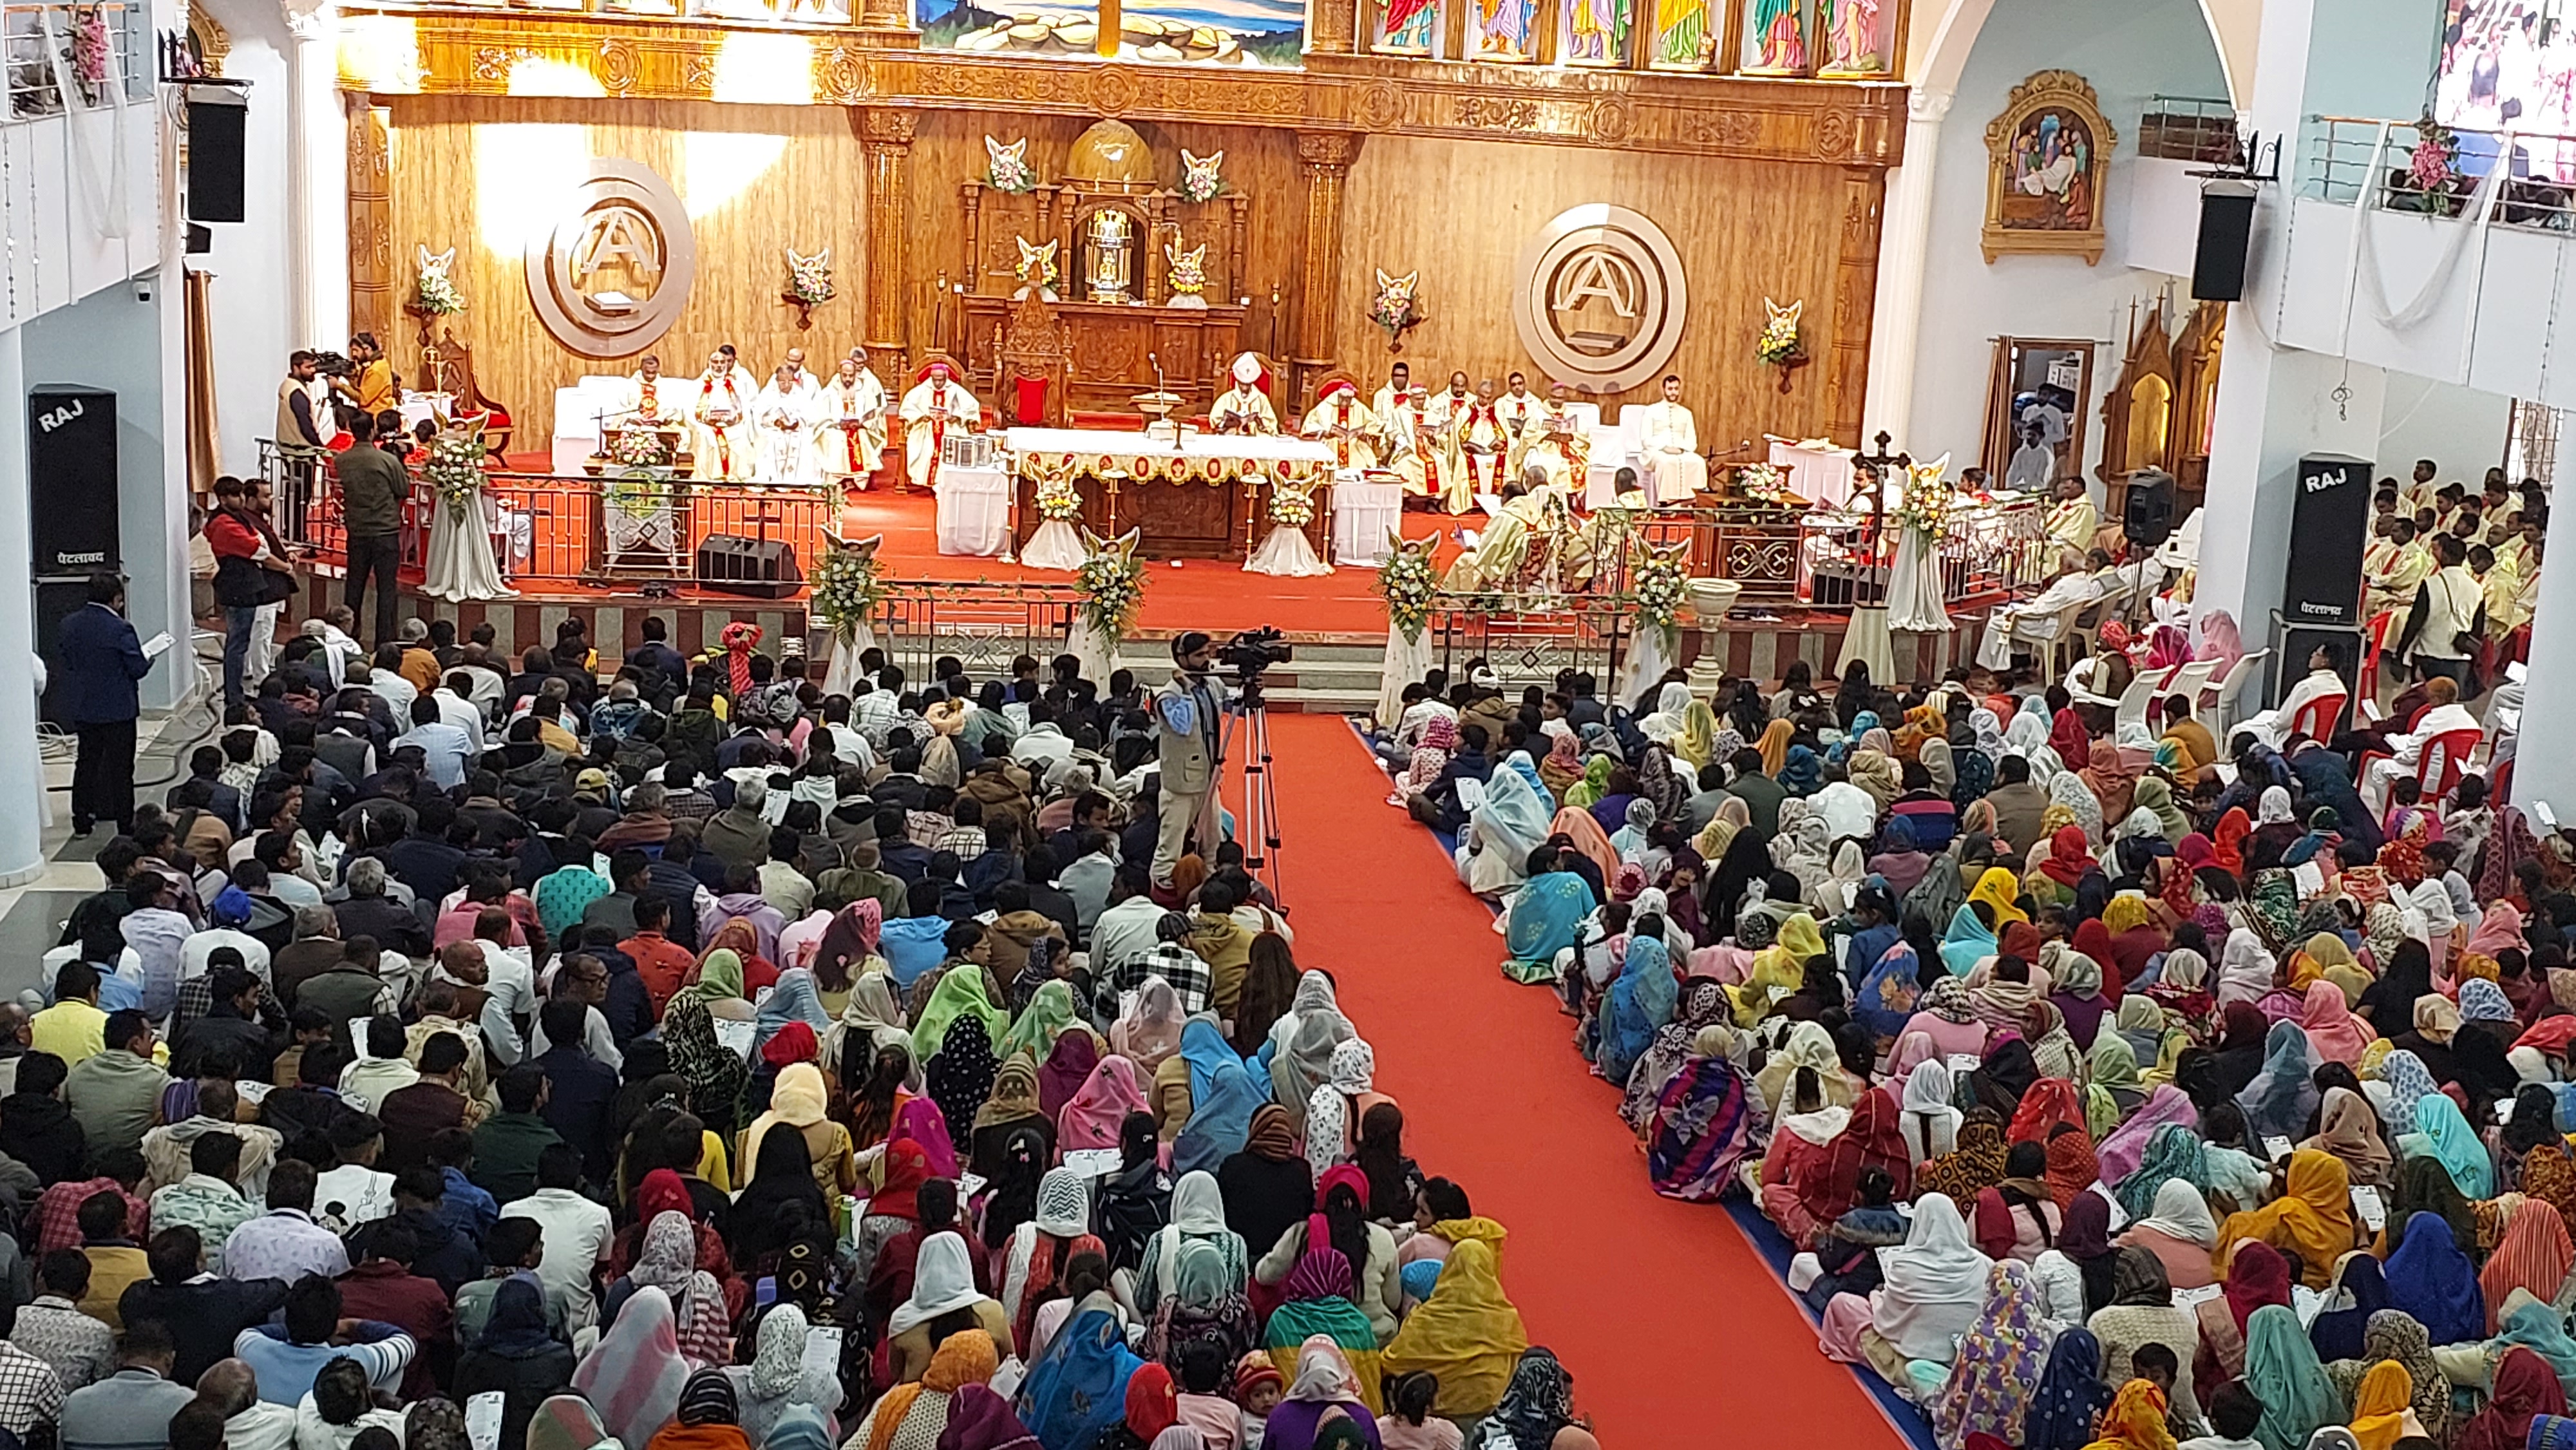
1249, 653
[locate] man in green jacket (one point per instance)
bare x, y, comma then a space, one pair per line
373, 484
507, 1145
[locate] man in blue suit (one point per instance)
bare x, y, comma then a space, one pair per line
101, 661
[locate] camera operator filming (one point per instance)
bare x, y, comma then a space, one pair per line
1190, 743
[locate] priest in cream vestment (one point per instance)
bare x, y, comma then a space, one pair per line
1516, 408
1668, 444
727, 448
653, 399
783, 416
850, 432
1342, 423
936, 404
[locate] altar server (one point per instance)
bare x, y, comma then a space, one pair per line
1669, 445
936, 404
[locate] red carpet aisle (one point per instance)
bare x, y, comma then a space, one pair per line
1676, 1333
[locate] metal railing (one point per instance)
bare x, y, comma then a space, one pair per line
2188, 128
2407, 174
1833, 559
99, 46
1527, 639
983, 622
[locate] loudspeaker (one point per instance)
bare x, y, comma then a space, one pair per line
2329, 523
71, 480
217, 121
2226, 226
757, 568
56, 599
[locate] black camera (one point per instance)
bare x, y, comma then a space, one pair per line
1253, 650
334, 365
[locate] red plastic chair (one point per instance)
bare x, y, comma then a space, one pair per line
2317, 718
2445, 758
2374, 639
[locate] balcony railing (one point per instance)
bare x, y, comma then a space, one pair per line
96, 48
2198, 129
2403, 171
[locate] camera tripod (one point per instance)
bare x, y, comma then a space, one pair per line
1259, 828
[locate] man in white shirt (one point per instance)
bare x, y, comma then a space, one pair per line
1124, 931
2083, 584
226, 913
1044, 742
2406, 752
446, 748
354, 1192
385, 680
250, 1422
455, 697
2324, 678
576, 1237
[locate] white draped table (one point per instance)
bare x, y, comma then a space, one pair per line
974, 511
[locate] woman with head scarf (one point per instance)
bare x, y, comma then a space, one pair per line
2380, 1413
2000, 1360
1467, 1333
2312, 1218
2349, 1130
2432, 1280
1093, 1118
1640, 1002
961, 1074
2525, 1389
706, 1418
2069, 1397
1700, 1125
2394, 1339
1267, 1186
2135, 1420
567, 1422
1223, 1099
1077, 1390
2333, 1033
634, 1374
2441, 1133
782, 1201
944, 1302
717, 1075
2359, 1291
920, 1410
800, 1104
2179, 1231
1334, 1109
793, 999
1065, 1071
1039, 1251
2282, 1370
2534, 1256
2282, 1095
520, 1358
777, 1379
667, 1258
2256, 1275
1010, 1105
1969, 940
1931, 1288
2077, 995
1317, 1309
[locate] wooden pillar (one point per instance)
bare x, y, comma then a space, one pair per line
373, 303
1326, 157
885, 138
1855, 300
888, 24
1334, 27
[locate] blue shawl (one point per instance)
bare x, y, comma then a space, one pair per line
1222, 1099
2431, 1279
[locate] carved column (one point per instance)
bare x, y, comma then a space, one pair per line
888, 23
1326, 157
885, 137
373, 305
1855, 293
1332, 26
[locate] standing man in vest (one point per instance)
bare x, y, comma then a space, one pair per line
373, 484
101, 661
2447, 618
300, 434
1190, 744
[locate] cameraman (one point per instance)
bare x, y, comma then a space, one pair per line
1190, 743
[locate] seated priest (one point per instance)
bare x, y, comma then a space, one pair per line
1244, 408
2080, 585
783, 417
1341, 421
1668, 445
1558, 444
850, 430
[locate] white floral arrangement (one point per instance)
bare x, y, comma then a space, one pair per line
455, 469
1113, 590
1292, 505
1407, 582
434, 293
1058, 501
639, 446
1757, 478
1927, 502
1662, 585
845, 589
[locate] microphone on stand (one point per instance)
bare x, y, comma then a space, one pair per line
1156, 360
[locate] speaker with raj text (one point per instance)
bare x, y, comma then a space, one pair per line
217, 120
2226, 227
2329, 523
756, 568
71, 480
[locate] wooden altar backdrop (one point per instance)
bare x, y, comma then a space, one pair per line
1766, 188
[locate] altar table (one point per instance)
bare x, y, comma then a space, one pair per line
1207, 498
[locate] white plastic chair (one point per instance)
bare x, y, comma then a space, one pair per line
2132, 709
2187, 680
2048, 633
2221, 706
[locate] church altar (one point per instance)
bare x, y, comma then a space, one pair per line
1114, 346
1179, 497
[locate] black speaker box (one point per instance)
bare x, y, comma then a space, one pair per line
71, 480
217, 121
754, 568
2329, 523
55, 600
2226, 226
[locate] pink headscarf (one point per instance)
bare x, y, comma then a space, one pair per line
921, 1122
634, 1374
1091, 1119
2167, 647
2499, 928
2334, 1033
2120, 1152
2220, 644
1577, 823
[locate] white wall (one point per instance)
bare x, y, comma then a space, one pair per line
2459, 428
248, 298
2128, 50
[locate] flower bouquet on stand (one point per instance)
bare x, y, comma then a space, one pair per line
845, 594
1112, 580
1055, 545
1661, 586
1287, 553
1406, 581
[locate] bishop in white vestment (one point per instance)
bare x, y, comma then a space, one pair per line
850, 428
1244, 408
784, 416
936, 404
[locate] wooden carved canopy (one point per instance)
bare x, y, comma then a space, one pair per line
1036, 348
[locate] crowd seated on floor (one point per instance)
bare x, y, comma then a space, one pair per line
665, 1054
2123, 1067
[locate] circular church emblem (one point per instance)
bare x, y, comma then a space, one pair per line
613, 273
1601, 298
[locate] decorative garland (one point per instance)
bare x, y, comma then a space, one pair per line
455, 469
1112, 582
845, 590
1406, 581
